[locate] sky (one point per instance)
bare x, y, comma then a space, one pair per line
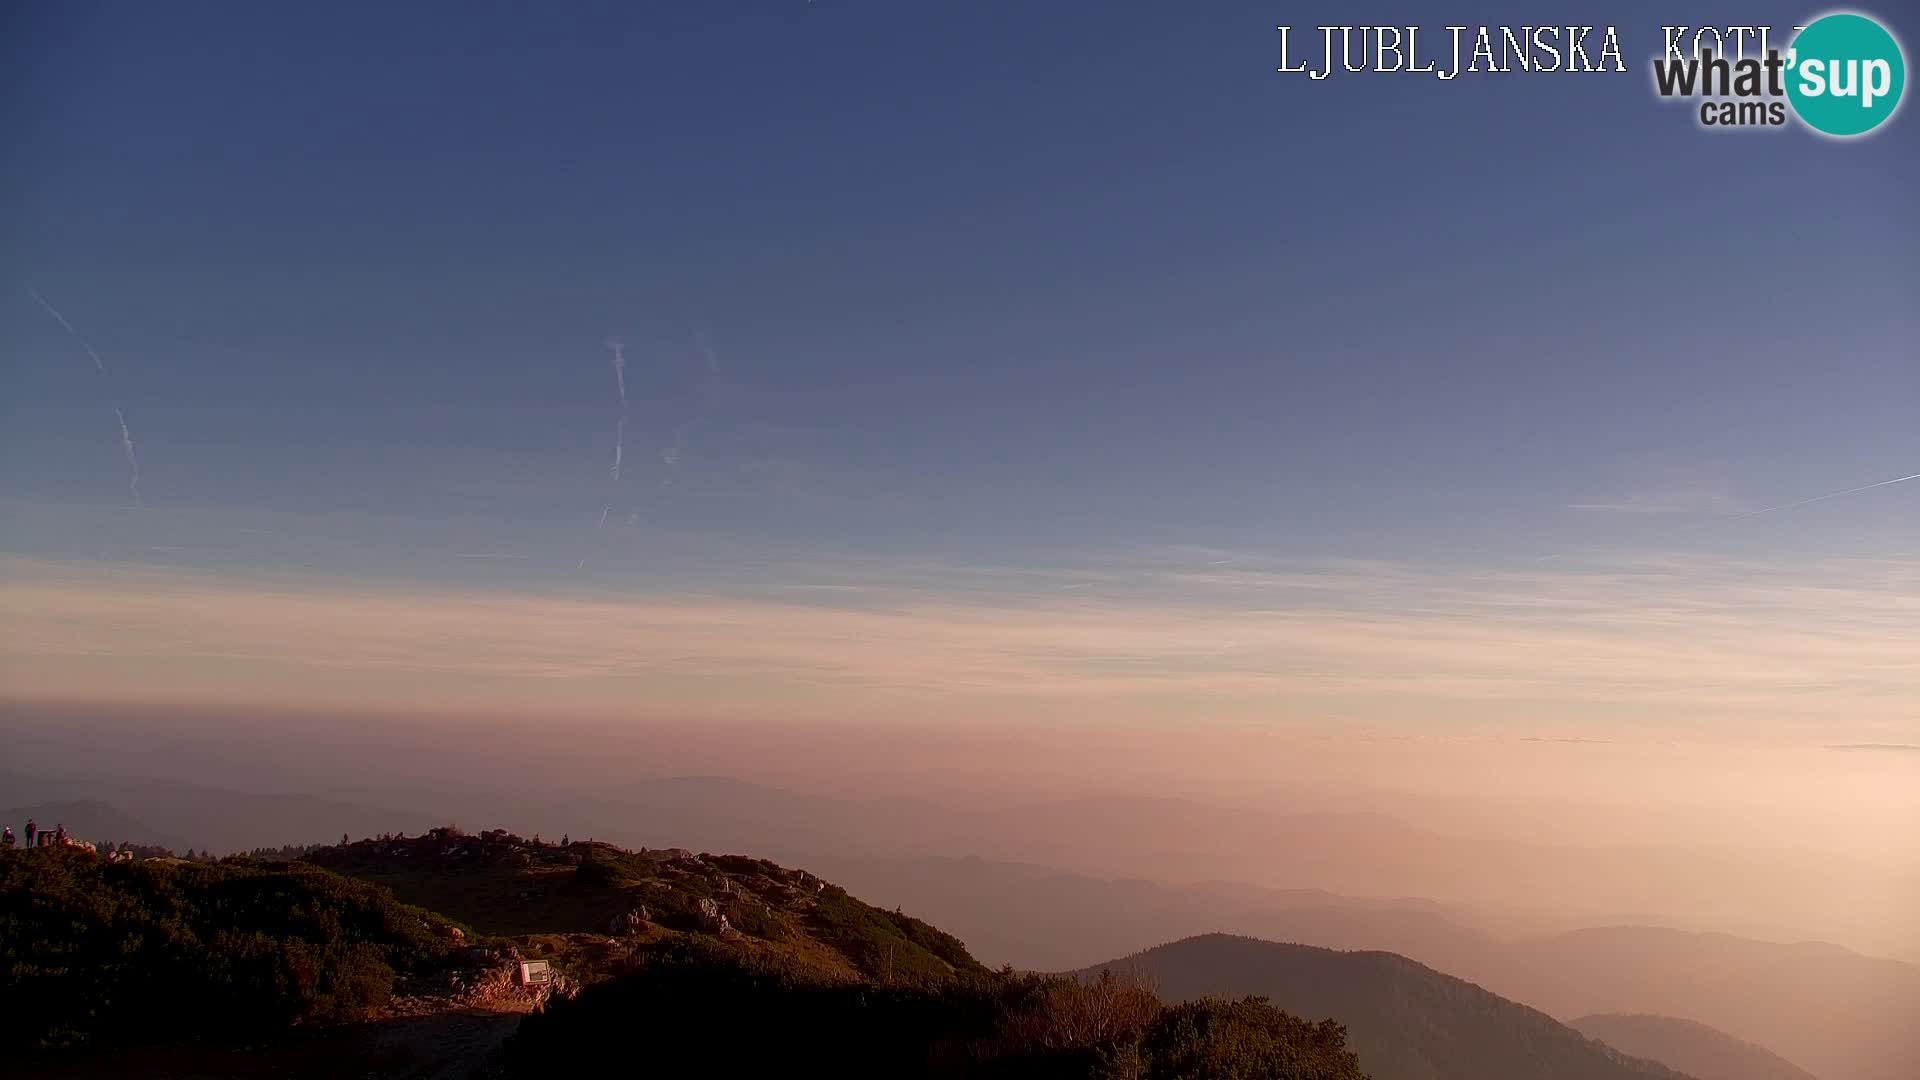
984, 365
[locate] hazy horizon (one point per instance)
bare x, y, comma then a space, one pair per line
1699, 836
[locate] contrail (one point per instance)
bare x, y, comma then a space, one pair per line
126, 436
706, 350
670, 455
605, 509
618, 345
1824, 498
62, 319
1776, 509
133, 463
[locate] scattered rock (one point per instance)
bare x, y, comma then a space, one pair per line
711, 920
628, 923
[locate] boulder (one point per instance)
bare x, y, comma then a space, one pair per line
628, 922
711, 920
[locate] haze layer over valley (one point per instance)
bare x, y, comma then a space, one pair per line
1521, 837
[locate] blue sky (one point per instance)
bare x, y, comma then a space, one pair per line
974, 298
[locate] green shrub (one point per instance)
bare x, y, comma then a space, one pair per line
94, 952
1244, 1040
887, 945
595, 874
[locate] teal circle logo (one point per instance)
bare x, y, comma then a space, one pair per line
1845, 74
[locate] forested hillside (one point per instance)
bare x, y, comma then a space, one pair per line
723, 1012
1701, 1051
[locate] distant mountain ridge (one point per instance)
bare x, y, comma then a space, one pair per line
88, 819
1406, 1021
1829, 1010
1701, 1051
182, 816
1826, 1008
1039, 918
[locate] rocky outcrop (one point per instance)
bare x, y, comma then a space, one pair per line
711, 918
628, 923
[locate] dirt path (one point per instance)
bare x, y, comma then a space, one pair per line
446, 1046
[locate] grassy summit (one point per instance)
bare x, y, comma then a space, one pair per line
553, 894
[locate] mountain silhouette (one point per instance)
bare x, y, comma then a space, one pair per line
1700, 1051
1406, 1021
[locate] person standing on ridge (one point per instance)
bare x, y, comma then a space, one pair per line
31, 829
